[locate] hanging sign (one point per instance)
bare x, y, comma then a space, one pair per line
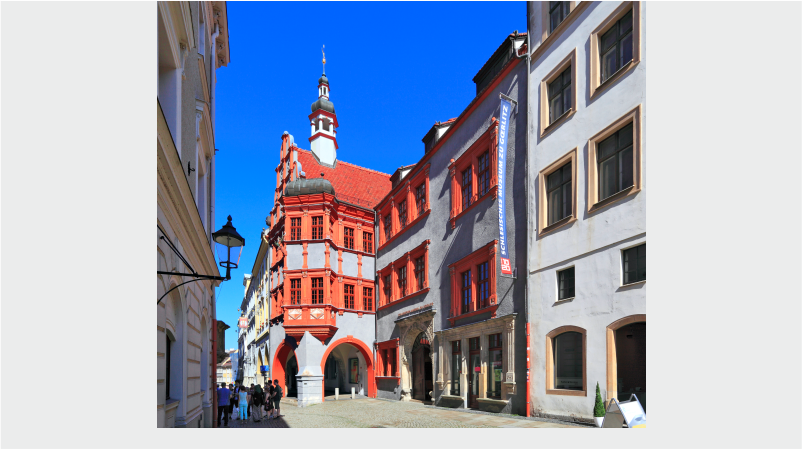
628, 412
243, 322
504, 123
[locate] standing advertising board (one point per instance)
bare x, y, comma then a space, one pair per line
628, 412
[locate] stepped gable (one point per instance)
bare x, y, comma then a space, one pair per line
353, 184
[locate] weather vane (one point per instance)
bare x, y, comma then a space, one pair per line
323, 50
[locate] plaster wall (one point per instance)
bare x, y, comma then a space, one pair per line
295, 257
350, 264
594, 242
475, 229
316, 255
368, 266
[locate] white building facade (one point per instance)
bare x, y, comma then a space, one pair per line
587, 201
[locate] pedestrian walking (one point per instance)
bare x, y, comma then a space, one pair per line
243, 403
232, 401
258, 401
223, 400
269, 390
277, 394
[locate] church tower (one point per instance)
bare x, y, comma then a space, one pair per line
324, 123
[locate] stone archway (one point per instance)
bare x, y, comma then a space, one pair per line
612, 352
416, 326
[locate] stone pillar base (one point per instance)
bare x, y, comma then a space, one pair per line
310, 389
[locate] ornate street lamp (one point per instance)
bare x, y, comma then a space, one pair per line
227, 240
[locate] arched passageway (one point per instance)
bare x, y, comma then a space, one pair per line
626, 359
285, 368
356, 359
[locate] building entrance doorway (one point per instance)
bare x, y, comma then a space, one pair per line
422, 368
289, 377
474, 371
630, 349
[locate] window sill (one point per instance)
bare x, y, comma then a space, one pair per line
474, 313
171, 404
563, 301
598, 90
556, 124
633, 283
492, 191
411, 295
567, 392
564, 222
614, 198
406, 227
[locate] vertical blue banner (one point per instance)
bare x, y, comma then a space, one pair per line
504, 123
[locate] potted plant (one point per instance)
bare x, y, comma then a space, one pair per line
598, 408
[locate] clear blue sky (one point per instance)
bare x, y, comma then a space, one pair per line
394, 70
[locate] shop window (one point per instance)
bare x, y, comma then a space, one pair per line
565, 361
295, 292
367, 298
635, 264
317, 228
367, 242
317, 290
565, 279
456, 365
295, 229
348, 237
419, 269
494, 352
348, 296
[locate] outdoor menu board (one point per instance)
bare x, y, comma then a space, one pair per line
628, 412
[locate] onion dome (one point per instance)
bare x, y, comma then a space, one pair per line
304, 186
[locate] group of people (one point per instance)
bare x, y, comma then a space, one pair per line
249, 401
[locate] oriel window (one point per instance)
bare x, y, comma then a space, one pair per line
635, 264
295, 229
348, 296
615, 162
317, 228
317, 290
484, 173
558, 192
348, 237
616, 47
367, 242
560, 95
295, 292
367, 298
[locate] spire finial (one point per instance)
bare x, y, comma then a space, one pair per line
323, 50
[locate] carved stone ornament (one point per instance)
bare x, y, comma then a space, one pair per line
294, 314
316, 314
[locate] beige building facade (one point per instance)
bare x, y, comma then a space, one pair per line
192, 45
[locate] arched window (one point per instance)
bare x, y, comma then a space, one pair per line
566, 361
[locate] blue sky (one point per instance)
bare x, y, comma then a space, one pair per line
394, 69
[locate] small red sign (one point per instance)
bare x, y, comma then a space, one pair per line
505, 266
243, 322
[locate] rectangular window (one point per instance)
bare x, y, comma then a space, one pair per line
419, 262
484, 284
484, 173
420, 198
614, 162
317, 290
367, 298
295, 229
388, 289
558, 11
494, 353
635, 264
456, 364
317, 228
467, 188
348, 237
473, 344
402, 214
367, 242
616, 47
565, 279
568, 361
388, 227
348, 296
295, 292
560, 95
466, 291
558, 194
402, 282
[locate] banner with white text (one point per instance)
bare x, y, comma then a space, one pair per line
504, 123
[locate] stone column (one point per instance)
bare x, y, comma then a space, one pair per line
310, 377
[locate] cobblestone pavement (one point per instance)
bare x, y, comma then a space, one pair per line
367, 413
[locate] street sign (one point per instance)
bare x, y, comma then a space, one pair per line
630, 412
243, 322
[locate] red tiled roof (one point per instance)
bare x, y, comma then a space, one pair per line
352, 183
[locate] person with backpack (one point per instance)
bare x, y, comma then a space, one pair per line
277, 394
223, 398
258, 399
269, 390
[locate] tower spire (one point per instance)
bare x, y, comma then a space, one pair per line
323, 50
323, 122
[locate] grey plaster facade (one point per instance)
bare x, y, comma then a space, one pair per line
478, 227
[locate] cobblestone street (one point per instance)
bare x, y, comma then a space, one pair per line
378, 413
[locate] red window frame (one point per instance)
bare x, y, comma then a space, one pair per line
367, 298
388, 227
388, 288
397, 276
404, 205
317, 228
317, 290
472, 171
348, 296
402, 215
295, 228
467, 300
367, 242
420, 267
348, 237
295, 292
420, 199
387, 354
